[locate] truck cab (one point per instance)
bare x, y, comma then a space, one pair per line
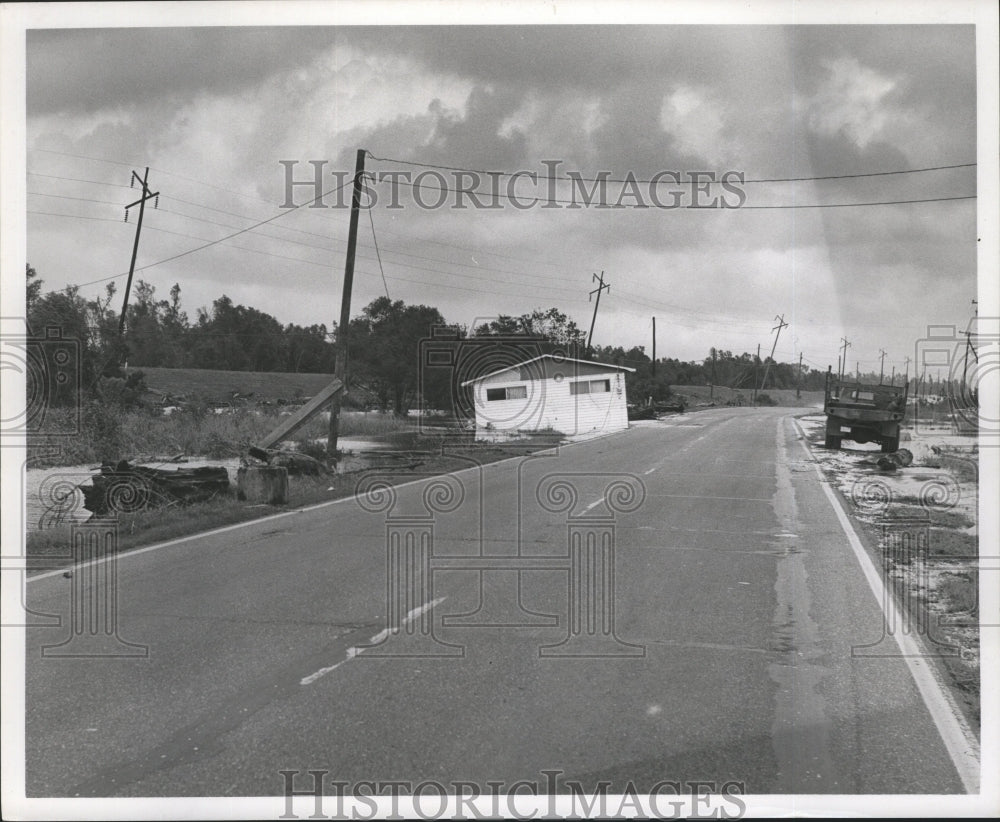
863, 412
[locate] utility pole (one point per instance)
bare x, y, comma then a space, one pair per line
965, 365
798, 379
340, 366
711, 389
843, 362
654, 345
781, 324
601, 287
881, 365
141, 202
892, 379
753, 400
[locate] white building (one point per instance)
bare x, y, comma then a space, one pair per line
551, 392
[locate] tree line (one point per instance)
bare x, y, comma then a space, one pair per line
385, 340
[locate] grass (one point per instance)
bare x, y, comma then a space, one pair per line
944, 543
940, 518
961, 591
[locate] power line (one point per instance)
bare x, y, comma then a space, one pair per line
558, 290
67, 197
310, 233
677, 312
215, 242
75, 179
237, 233
642, 206
855, 205
377, 254
163, 171
76, 217
670, 182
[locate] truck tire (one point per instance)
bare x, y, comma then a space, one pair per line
890, 445
832, 442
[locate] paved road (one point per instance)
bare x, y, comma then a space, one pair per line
734, 595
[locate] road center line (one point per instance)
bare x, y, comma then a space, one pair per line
381, 636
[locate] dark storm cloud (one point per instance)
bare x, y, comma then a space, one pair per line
574, 56
773, 101
87, 70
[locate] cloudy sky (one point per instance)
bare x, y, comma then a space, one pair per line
213, 111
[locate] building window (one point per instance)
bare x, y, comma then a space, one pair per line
590, 387
514, 392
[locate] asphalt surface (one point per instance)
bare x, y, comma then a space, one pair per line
703, 633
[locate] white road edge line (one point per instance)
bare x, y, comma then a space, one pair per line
958, 738
134, 552
381, 636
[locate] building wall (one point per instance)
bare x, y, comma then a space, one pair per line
548, 403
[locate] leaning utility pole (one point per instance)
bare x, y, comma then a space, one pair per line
843, 361
798, 379
881, 365
141, 202
781, 324
340, 367
965, 365
601, 287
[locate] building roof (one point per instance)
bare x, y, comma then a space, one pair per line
557, 359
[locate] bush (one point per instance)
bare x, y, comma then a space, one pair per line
765, 399
312, 448
101, 435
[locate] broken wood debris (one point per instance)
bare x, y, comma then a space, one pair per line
123, 488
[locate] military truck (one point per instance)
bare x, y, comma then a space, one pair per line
863, 413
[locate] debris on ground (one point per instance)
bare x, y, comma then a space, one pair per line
124, 487
903, 458
297, 463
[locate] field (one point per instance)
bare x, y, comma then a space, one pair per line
222, 385
699, 394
